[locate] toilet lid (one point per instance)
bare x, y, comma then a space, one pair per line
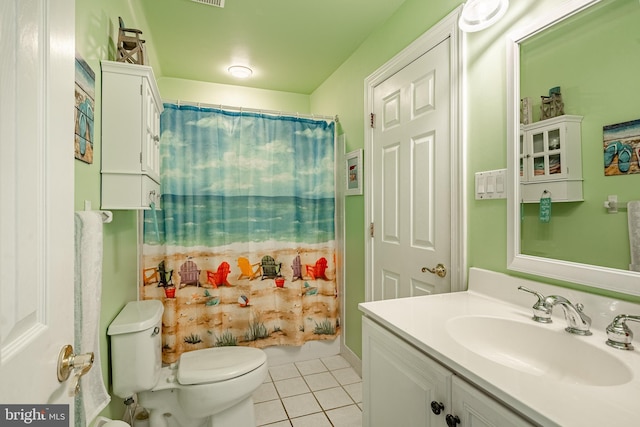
218, 364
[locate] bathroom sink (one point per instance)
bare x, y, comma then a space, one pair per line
538, 350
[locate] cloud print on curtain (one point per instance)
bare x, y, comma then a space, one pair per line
242, 249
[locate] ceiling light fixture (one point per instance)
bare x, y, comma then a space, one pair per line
240, 71
480, 14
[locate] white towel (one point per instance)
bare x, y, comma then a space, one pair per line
93, 396
633, 211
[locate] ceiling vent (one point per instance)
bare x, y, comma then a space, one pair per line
216, 3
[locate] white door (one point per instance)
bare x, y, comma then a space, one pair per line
36, 198
411, 192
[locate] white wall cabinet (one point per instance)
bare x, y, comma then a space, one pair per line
402, 386
131, 107
551, 160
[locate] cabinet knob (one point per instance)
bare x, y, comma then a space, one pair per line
452, 420
437, 407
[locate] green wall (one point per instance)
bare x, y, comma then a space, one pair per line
341, 94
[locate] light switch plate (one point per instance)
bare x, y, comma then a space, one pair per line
491, 184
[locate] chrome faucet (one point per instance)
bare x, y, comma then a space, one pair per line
618, 333
541, 313
577, 322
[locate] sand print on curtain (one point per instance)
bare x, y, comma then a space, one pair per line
242, 249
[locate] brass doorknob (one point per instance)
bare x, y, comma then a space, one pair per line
440, 270
79, 364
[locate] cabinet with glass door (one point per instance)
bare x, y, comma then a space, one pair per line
551, 160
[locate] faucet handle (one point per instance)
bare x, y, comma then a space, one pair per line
541, 313
618, 333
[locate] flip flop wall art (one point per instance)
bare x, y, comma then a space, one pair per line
622, 148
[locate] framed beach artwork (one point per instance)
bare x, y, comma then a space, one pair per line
621, 148
85, 96
354, 173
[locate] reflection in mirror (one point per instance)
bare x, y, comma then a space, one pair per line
593, 57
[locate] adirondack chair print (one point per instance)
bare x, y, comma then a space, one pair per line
297, 269
166, 277
219, 277
317, 271
247, 269
150, 275
270, 269
158, 275
189, 274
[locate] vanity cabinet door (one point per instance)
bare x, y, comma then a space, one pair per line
399, 382
475, 409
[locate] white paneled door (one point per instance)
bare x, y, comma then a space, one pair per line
36, 198
411, 194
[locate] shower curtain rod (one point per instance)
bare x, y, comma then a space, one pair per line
253, 110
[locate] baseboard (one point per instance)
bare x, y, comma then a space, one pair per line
352, 358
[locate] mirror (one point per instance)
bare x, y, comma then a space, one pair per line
589, 48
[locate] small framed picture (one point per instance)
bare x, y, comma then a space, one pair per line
353, 163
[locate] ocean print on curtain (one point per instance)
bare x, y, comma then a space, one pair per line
242, 249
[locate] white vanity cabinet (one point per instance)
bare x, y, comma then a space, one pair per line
131, 108
402, 386
474, 408
551, 160
399, 382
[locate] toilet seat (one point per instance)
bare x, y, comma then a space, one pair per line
218, 364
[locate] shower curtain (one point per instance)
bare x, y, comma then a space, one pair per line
241, 250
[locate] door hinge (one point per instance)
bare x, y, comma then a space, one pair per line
373, 120
140, 89
371, 229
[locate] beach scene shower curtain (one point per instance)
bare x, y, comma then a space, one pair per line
241, 248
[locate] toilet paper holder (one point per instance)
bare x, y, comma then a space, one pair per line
69, 362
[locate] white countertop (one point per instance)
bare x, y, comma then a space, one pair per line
422, 321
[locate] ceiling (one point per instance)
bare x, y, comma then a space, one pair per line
291, 45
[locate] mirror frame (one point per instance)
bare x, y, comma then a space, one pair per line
617, 280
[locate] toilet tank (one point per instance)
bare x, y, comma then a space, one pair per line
136, 347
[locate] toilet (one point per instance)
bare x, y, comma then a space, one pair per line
206, 388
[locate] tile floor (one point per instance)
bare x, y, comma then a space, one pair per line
322, 392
